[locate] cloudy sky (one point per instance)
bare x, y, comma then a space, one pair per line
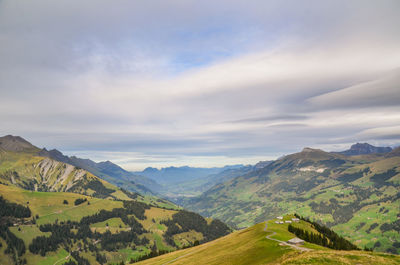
203, 83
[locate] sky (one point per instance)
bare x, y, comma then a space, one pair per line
200, 83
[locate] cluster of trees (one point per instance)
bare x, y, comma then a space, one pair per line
327, 237
154, 253
192, 221
101, 258
61, 233
100, 190
392, 226
132, 195
131, 207
11, 209
309, 236
112, 242
380, 180
80, 201
372, 227
15, 245
79, 259
136, 208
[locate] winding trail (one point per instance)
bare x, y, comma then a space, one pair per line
283, 242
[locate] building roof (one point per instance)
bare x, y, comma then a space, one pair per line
295, 240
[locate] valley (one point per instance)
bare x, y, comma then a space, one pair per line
56, 212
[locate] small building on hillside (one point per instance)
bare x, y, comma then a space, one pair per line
296, 241
288, 221
279, 217
296, 220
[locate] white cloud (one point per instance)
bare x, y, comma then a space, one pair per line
230, 81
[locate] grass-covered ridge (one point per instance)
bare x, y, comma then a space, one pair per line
251, 246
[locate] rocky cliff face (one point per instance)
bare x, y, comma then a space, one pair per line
365, 149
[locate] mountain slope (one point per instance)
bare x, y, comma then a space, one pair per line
16, 144
26, 169
44, 174
256, 245
107, 171
359, 193
95, 231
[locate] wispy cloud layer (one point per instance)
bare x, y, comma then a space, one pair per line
210, 82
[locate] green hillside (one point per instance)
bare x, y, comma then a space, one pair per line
101, 231
251, 246
27, 170
53, 171
53, 212
357, 196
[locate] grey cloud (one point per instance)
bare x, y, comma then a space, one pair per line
287, 117
384, 91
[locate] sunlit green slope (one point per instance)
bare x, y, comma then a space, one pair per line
251, 246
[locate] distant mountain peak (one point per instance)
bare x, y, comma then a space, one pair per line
311, 150
308, 149
108, 162
262, 164
16, 144
365, 149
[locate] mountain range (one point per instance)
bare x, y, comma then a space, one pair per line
120, 216
53, 211
358, 196
190, 181
106, 170
173, 175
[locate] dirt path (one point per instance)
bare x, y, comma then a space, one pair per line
283, 242
175, 259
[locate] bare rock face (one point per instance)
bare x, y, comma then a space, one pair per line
365, 149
